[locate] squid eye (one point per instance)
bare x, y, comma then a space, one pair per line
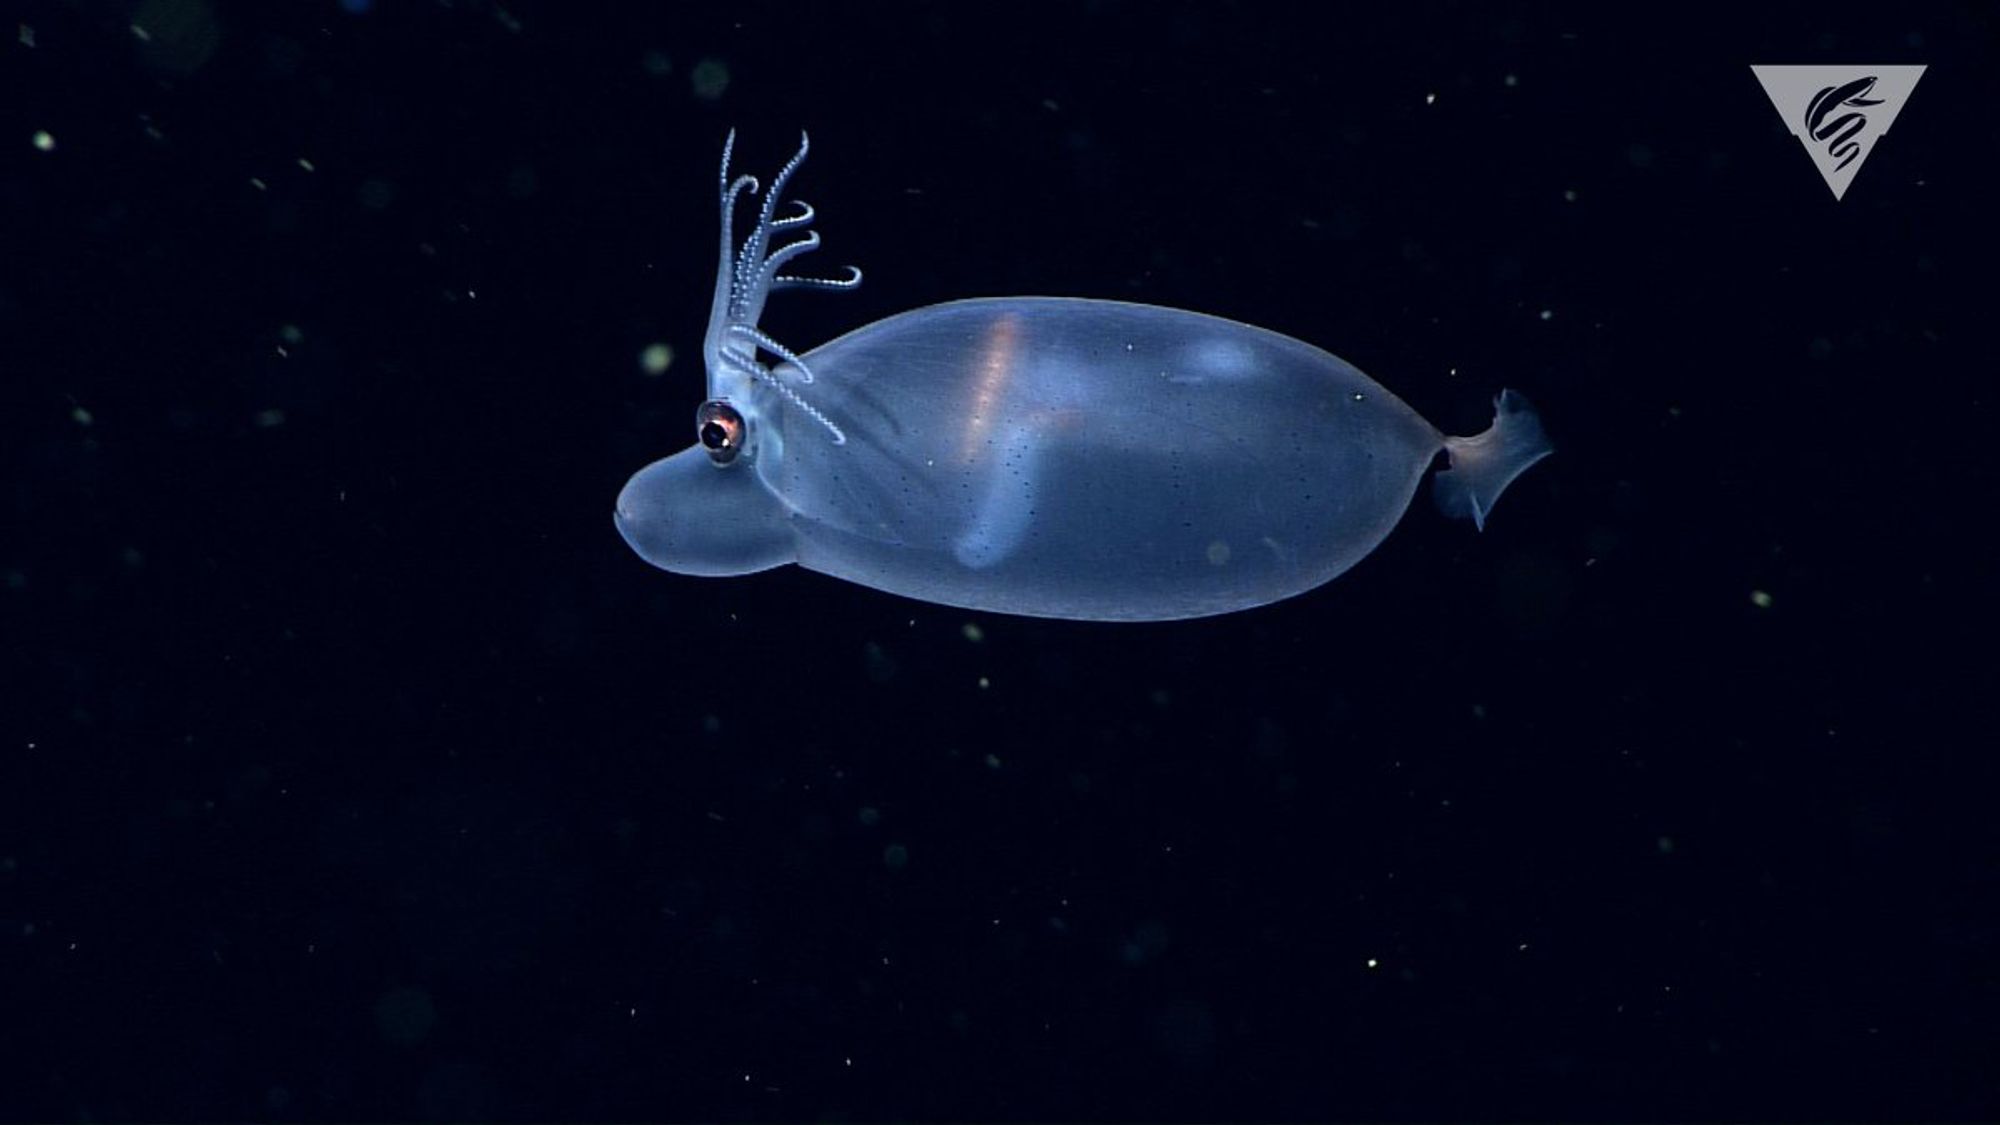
719, 428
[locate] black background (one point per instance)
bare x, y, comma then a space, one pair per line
352, 767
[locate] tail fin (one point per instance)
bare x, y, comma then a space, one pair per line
1482, 466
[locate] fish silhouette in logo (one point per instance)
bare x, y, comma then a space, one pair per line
1838, 133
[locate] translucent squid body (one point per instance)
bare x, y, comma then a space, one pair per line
1047, 456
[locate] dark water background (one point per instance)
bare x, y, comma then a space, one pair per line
352, 768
